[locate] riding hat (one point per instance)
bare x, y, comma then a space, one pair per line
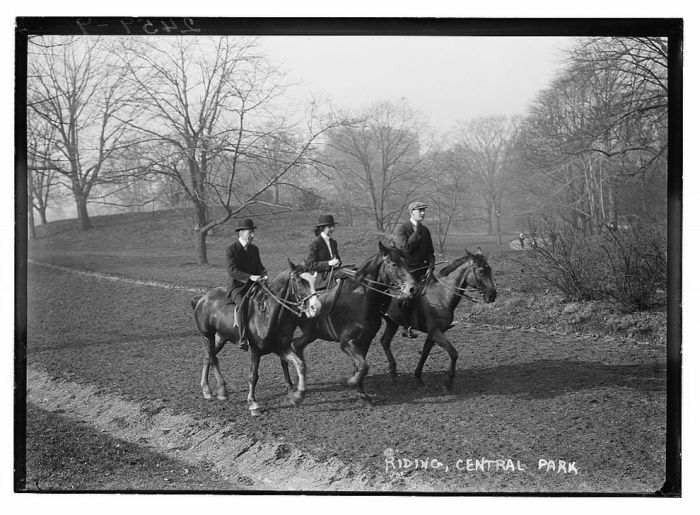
416, 205
246, 224
324, 220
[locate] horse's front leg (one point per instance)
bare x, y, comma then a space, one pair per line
443, 342
253, 406
389, 333
290, 357
427, 346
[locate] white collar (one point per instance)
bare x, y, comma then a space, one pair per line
413, 222
325, 236
244, 245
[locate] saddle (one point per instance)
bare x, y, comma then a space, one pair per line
328, 288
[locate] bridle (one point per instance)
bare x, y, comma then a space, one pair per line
297, 306
387, 289
462, 291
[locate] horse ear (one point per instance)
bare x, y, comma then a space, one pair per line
382, 248
292, 266
478, 251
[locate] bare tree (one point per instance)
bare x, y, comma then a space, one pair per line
79, 91
378, 160
599, 132
450, 196
485, 148
42, 177
210, 116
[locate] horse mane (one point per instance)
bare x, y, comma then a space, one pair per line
453, 266
369, 268
479, 261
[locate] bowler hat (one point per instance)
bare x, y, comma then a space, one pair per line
416, 205
324, 220
246, 224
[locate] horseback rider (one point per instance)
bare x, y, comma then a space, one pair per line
415, 240
323, 254
244, 270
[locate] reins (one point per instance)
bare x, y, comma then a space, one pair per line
286, 304
458, 290
367, 283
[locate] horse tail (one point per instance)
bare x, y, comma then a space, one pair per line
194, 300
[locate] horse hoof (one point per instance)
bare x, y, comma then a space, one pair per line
351, 381
222, 396
207, 395
256, 412
367, 402
295, 398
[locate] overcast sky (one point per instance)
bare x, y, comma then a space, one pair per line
446, 78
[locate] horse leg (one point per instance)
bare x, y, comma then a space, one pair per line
287, 377
221, 392
208, 346
389, 333
423, 356
253, 406
443, 342
361, 368
290, 357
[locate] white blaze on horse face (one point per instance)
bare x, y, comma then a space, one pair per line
313, 307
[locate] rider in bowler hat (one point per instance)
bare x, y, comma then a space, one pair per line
323, 252
244, 269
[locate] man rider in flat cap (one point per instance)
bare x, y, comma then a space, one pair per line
415, 240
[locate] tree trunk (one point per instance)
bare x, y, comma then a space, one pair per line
83, 218
30, 204
32, 229
42, 215
200, 212
201, 246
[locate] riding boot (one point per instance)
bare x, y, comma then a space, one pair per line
242, 339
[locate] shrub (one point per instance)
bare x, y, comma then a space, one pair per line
625, 267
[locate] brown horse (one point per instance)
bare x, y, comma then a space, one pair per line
435, 306
272, 313
354, 311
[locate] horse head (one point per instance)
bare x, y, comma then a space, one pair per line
303, 288
479, 276
394, 271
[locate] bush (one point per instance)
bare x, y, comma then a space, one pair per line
625, 267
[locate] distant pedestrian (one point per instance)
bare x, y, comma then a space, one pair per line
522, 240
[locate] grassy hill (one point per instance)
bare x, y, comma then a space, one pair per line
160, 246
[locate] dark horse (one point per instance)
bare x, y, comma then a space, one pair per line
353, 311
435, 306
272, 314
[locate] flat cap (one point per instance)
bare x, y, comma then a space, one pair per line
416, 205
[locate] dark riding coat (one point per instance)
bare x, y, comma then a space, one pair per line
241, 263
319, 256
418, 245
